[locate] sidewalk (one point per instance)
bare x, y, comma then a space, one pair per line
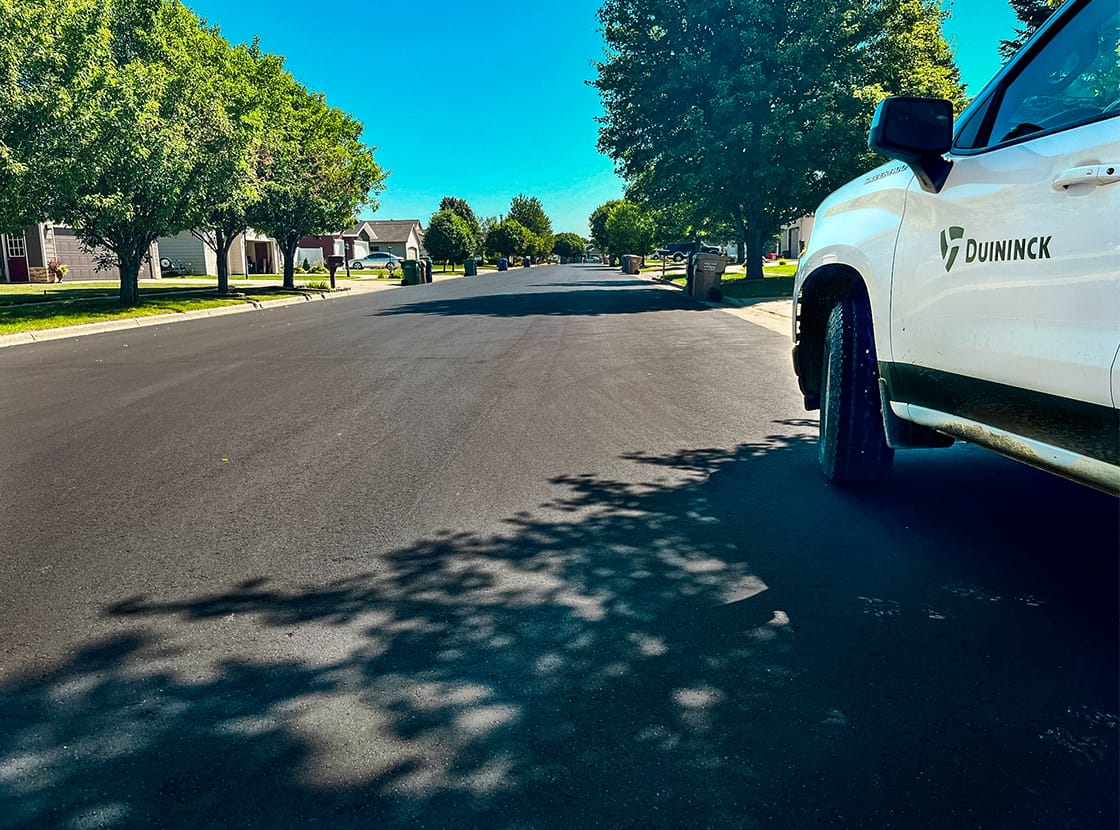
776, 315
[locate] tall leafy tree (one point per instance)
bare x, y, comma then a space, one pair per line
508, 238
316, 171
233, 189
755, 111
125, 148
569, 245
460, 208
597, 223
527, 210
448, 238
631, 229
45, 50
1031, 15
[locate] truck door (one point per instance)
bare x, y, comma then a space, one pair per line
1006, 288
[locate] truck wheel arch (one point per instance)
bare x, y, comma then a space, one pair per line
822, 289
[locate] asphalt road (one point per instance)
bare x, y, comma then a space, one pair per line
537, 550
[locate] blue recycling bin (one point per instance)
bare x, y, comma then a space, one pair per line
525, 262
503, 264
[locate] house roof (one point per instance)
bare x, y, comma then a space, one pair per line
388, 230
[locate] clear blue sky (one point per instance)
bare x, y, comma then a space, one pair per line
484, 100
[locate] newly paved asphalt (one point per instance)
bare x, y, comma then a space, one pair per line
537, 550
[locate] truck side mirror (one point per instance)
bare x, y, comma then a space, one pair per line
918, 131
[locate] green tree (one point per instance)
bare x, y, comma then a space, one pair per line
755, 111
316, 171
598, 225
449, 237
569, 245
45, 50
462, 209
527, 210
234, 186
508, 238
1031, 15
631, 229
122, 153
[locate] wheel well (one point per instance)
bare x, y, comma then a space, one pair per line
820, 292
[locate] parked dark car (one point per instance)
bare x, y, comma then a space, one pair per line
680, 251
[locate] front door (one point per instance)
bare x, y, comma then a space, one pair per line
15, 252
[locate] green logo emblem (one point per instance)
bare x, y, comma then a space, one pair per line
951, 245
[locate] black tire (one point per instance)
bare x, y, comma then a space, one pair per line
678, 257
853, 446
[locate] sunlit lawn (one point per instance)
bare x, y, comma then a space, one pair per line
22, 311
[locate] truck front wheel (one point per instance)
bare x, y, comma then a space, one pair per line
853, 447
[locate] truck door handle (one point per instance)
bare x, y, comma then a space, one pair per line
1092, 175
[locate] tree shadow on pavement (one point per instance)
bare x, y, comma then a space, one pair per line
641, 299
689, 648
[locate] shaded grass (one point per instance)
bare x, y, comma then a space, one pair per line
19, 317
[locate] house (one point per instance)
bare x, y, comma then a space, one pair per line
318, 248
250, 253
24, 256
401, 237
794, 237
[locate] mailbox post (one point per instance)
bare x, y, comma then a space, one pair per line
333, 264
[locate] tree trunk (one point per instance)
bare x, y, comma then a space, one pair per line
130, 278
740, 237
222, 246
754, 251
288, 249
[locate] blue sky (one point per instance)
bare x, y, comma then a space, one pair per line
484, 100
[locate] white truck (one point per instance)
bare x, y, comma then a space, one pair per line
970, 288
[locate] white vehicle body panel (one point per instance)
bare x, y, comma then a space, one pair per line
1049, 323
858, 226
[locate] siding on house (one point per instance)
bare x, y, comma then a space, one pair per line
188, 254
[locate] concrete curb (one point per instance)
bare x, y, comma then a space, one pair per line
25, 337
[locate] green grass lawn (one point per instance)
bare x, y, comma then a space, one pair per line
80, 305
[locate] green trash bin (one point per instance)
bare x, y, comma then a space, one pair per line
470, 267
412, 273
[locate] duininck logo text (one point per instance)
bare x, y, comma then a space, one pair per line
1001, 250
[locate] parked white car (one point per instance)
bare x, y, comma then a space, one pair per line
376, 259
971, 287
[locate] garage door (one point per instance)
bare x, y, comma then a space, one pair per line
69, 250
